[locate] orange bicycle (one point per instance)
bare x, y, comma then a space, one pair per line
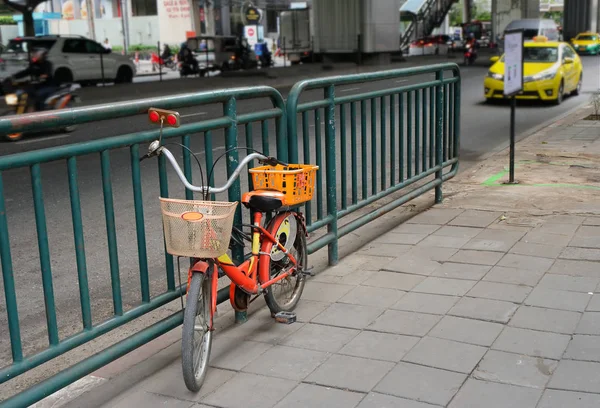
202, 230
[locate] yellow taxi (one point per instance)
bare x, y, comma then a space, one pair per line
551, 70
587, 43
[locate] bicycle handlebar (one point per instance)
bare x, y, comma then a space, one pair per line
156, 149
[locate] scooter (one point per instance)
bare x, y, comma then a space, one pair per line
157, 61
470, 55
17, 98
186, 69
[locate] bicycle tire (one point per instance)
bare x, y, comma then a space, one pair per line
198, 297
275, 267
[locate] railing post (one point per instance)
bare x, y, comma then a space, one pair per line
439, 133
330, 176
234, 193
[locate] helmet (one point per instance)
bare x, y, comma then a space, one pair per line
39, 55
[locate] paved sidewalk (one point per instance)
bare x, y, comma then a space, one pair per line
491, 299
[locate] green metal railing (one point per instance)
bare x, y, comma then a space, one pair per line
397, 137
392, 144
229, 122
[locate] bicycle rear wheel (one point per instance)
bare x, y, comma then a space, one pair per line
196, 338
284, 295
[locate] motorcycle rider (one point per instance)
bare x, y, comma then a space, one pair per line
40, 70
166, 54
187, 58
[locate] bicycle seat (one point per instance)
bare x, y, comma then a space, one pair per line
263, 200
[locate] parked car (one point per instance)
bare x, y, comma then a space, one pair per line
435, 45
74, 58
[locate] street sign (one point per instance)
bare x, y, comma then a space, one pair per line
513, 62
251, 34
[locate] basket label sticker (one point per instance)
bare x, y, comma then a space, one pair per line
192, 216
301, 180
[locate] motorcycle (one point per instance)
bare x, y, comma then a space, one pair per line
186, 69
17, 98
266, 61
470, 55
157, 61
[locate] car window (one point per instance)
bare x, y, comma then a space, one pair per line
587, 38
540, 54
16, 46
93, 47
77, 46
568, 52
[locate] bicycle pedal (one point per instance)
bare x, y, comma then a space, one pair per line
308, 271
285, 317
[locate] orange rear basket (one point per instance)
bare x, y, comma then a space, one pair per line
295, 181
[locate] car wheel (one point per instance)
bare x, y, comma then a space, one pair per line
124, 75
577, 90
64, 76
561, 92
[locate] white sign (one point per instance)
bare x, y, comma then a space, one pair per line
298, 5
513, 62
251, 34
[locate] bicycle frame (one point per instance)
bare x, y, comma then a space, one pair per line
252, 275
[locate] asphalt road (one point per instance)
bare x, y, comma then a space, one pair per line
484, 129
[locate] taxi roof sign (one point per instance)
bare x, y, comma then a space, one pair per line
540, 38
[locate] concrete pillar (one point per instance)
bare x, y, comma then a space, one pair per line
594, 16
578, 17
466, 11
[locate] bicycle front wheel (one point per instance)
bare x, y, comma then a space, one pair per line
196, 337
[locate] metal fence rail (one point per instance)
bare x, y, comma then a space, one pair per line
34, 160
397, 137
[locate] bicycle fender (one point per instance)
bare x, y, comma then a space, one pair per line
267, 246
198, 267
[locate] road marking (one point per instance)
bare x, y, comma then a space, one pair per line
42, 139
194, 114
349, 89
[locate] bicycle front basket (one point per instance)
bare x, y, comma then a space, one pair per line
197, 229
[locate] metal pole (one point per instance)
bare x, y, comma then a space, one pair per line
283, 50
513, 104
359, 49
102, 69
159, 64
125, 26
90, 17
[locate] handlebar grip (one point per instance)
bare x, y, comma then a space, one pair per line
144, 157
272, 161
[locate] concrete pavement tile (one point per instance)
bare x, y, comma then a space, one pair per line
594, 305
443, 286
232, 354
290, 363
407, 228
565, 219
563, 399
576, 376
530, 263
437, 216
394, 280
150, 400
594, 221
494, 240
541, 250
373, 296
347, 265
324, 292
495, 395
557, 228
588, 231
500, 291
589, 324
438, 254
375, 400
515, 276
586, 348
532, 343
421, 383
443, 241
413, 263
320, 338
268, 331
306, 395
458, 232
348, 315
580, 254
477, 257
575, 268
379, 346
484, 309
404, 239
350, 373
353, 278
549, 320
408, 323
387, 250
537, 237
586, 237
476, 218
462, 271
307, 310
374, 262
250, 390
570, 283
426, 303
466, 330
515, 369
169, 382
558, 299
445, 354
